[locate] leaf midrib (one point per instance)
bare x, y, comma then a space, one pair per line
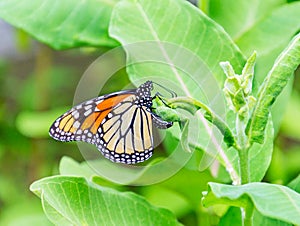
186, 91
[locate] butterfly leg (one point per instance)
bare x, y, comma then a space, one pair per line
160, 123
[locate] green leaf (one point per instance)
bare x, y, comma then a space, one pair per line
186, 62
104, 172
233, 217
69, 167
62, 24
259, 219
270, 200
269, 39
295, 184
139, 20
74, 201
260, 155
273, 85
38, 122
238, 16
254, 26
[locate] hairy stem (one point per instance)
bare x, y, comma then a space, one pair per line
243, 148
193, 105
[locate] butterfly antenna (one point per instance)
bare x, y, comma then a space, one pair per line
168, 90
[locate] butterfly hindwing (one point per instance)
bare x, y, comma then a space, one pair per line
127, 134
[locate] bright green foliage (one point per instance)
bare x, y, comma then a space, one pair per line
62, 24
273, 85
284, 207
249, 14
173, 41
165, 46
257, 27
233, 217
69, 167
203, 37
74, 201
260, 155
264, 26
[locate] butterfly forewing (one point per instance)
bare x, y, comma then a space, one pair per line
119, 124
81, 123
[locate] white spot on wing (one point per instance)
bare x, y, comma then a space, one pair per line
89, 102
76, 124
75, 114
88, 107
78, 106
87, 112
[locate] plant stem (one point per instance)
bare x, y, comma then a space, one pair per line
193, 105
247, 214
243, 152
240, 141
243, 148
244, 166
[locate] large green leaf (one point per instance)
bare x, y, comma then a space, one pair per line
238, 16
254, 26
175, 44
260, 155
74, 201
62, 24
269, 39
277, 79
164, 21
270, 200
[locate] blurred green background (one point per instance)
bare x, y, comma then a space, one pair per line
37, 84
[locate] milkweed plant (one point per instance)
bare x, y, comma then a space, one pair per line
254, 92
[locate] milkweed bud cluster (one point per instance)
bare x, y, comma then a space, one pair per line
237, 88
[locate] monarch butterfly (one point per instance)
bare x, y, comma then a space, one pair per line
119, 124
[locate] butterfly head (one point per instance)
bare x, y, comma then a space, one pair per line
147, 85
143, 93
